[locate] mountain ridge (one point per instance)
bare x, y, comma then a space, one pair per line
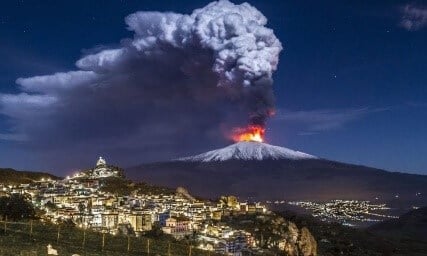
313, 179
12, 176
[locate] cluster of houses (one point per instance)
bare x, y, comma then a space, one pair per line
81, 200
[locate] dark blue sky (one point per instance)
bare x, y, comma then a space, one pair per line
351, 84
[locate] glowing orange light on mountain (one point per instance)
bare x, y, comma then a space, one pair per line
250, 133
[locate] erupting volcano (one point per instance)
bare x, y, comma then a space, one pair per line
250, 133
249, 145
250, 168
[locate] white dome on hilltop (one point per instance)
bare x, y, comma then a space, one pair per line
101, 161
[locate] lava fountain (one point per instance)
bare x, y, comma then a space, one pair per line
250, 133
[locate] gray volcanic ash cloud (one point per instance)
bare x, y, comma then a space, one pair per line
179, 77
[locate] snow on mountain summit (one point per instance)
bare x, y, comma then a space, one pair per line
248, 150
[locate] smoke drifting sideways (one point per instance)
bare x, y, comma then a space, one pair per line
181, 80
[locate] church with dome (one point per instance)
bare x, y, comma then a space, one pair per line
102, 170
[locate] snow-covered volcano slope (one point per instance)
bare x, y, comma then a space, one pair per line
264, 172
249, 150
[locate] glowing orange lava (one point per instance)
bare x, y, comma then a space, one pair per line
250, 133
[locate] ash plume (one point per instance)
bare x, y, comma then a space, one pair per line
203, 72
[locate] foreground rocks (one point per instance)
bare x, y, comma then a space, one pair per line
276, 234
298, 242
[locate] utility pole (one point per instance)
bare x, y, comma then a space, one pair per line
103, 241
84, 237
57, 236
262, 240
31, 228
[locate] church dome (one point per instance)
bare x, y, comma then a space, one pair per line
101, 161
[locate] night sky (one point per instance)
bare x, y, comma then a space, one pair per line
351, 86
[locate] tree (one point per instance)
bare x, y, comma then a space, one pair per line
3, 206
82, 208
68, 223
16, 207
51, 206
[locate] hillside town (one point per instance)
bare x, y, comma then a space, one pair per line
81, 200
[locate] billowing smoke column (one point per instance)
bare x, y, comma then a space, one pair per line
244, 52
203, 71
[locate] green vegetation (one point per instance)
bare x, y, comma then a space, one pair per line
123, 187
144, 188
14, 177
16, 207
117, 186
20, 240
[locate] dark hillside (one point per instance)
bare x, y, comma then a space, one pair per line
11, 176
